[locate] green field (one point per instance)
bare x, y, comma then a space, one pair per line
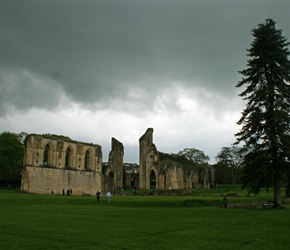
29, 221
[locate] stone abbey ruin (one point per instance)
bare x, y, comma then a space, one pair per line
59, 165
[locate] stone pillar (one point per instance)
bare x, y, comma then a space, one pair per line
116, 157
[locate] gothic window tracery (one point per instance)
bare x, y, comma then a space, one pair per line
68, 157
87, 160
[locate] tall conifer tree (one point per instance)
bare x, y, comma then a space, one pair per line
266, 120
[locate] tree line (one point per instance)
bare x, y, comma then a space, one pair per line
11, 158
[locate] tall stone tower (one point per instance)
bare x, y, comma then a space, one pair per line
148, 157
116, 156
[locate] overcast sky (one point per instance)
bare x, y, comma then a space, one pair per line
93, 70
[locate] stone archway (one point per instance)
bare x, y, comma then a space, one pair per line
48, 155
109, 172
152, 179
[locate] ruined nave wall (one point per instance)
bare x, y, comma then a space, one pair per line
52, 165
45, 180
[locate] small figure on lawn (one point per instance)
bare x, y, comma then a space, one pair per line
225, 202
98, 196
108, 196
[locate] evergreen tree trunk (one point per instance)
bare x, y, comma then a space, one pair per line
277, 191
233, 178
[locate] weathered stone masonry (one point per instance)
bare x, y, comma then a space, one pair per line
156, 174
58, 164
113, 171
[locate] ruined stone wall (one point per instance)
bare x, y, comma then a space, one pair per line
148, 158
130, 180
116, 157
206, 178
107, 184
61, 154
168, 175
57, 165
45, 180
176, 176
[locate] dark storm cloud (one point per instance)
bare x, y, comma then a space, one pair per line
26, 90
106, 54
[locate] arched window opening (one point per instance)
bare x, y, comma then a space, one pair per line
67, 157
152, 180
46, 155
87, 160
111, 174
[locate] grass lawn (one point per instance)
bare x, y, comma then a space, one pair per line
29, 221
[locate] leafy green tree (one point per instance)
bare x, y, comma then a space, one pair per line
265, 120
195, 156
187, 156
11, 157
231, 158
174, 157
223, 174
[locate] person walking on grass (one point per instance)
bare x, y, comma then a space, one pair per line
98, 196
225, 202
108, 196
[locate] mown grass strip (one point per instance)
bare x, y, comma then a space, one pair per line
31, 221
